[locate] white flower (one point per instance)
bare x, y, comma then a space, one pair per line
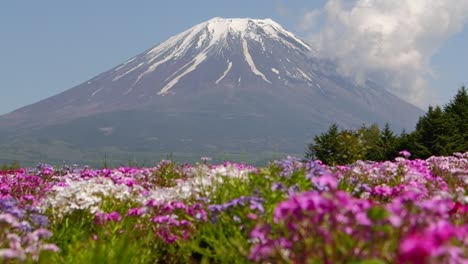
84, 195
202, 181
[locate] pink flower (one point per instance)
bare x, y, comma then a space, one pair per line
325, 181
405, 153
136, 211
416, 249
252, 216
28, 197
12, 254
382, 191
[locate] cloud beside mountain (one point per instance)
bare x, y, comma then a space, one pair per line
391, 42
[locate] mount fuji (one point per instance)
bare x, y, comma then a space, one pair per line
224, 85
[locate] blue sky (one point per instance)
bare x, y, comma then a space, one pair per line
49, 46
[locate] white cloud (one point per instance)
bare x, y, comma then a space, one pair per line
389, 41
281, 9
309, 20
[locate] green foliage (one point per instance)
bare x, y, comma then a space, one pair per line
10, 167
441, 131
326, 145
388, 143
346, 146
371, 142
337, 147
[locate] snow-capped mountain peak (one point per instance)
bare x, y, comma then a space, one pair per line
218, 30
223, 85
222, 39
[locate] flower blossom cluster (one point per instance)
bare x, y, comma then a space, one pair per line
86, 195
410, 208
294, 211
22, 232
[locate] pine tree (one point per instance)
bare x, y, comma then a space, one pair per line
325, 146
351, 148
435, 134
336, 147
388, 143
457, 114
441, 131
371, 141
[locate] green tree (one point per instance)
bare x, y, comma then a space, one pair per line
371, 142
336, 147
351, 147
442, 131
435, 134
423, 136
388, 143
457, 113
325, 145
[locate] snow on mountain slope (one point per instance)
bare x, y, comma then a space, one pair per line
218, 73
215, 36
225, 72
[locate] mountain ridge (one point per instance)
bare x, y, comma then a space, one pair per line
249, 72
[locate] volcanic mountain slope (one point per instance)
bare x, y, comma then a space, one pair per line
222, 85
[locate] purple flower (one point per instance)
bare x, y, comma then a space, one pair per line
8, 253
382, 191
285, 209
326, 182
257, 206
289, 166
293, 190
153, 203
17, 212
136, 211
278, 186
179, 205
314, 168
40, 220
100, 218
161, 219
25, 227
260, 233
113, 216
41, 234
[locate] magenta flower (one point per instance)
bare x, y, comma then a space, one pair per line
382, 191
405, 153
416, 248
138, 211
113, 216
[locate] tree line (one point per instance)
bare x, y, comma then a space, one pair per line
441, 131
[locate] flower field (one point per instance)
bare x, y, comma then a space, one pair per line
293, 211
